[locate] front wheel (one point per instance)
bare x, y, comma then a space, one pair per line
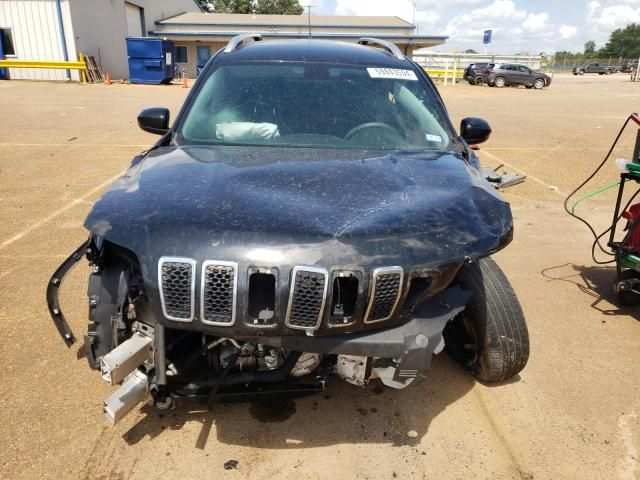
538, 84
581, 72
478, 80
499, 82
490, 337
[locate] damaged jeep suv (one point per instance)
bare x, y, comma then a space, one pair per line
311, 212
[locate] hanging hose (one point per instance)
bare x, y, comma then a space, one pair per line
570, 211
593, 194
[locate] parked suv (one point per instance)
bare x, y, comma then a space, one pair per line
509, 74
311, 212
593, 68
474, 72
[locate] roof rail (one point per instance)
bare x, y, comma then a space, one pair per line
388, 46
238, 39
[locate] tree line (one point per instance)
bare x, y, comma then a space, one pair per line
261, 7
623, 43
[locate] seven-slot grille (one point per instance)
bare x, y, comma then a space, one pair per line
218, 293
385, 293
177, 282
306, 297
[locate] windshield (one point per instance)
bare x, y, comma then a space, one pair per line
315, 105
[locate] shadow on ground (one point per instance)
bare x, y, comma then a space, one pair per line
594, 281
342, 414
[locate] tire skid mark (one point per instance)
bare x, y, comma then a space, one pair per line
500, 433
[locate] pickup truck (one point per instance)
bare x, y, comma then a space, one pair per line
593, 68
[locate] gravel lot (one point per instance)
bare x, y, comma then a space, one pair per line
573, 412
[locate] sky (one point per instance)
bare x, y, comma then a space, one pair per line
518, 25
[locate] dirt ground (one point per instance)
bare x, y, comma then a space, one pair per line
572, 413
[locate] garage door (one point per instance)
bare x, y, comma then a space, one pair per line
134, 20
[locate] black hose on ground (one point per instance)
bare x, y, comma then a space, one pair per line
220, 380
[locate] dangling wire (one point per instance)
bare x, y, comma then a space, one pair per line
570, 211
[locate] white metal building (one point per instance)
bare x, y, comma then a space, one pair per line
57, 30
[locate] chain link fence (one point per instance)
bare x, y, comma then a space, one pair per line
566, 63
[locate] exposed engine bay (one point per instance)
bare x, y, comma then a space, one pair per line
157, 363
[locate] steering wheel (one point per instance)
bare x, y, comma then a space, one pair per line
365, 126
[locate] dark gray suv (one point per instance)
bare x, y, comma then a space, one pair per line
311, 212
510, 74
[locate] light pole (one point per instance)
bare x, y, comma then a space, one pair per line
309, 7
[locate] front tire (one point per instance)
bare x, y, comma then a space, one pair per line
478, 80
490, 337
581, 72
538, 84
499, 82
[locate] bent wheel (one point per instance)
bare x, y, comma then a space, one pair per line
490, 337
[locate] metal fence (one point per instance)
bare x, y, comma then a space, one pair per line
441, 61
566, 63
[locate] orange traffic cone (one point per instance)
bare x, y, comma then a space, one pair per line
107, 79
184, 82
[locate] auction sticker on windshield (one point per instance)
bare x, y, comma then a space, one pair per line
394, 73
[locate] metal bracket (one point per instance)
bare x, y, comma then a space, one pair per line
53, 290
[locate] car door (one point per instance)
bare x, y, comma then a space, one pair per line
526, 75
505, 72
593, 67
515, 76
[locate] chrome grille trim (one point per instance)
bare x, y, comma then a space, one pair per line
203, 286
376, 274
192, 290
292, 291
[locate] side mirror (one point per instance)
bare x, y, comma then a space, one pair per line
474, 130
154, 120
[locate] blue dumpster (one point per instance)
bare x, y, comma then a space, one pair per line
3, 72
150, 60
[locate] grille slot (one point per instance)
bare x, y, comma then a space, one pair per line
385, 293
307, 297
176, 280
218, 292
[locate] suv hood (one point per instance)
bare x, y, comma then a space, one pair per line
302, 206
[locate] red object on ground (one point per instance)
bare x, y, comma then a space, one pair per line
632, 215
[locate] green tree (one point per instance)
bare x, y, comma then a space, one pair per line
232, 6
470, 50
590, 48
264, 7
623, 42
279, 7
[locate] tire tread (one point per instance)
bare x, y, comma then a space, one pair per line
505, 349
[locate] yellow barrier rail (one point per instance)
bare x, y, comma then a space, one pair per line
42, 64
442, 73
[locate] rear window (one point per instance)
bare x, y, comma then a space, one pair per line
316, 105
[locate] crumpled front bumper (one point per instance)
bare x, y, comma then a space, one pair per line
411, 345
